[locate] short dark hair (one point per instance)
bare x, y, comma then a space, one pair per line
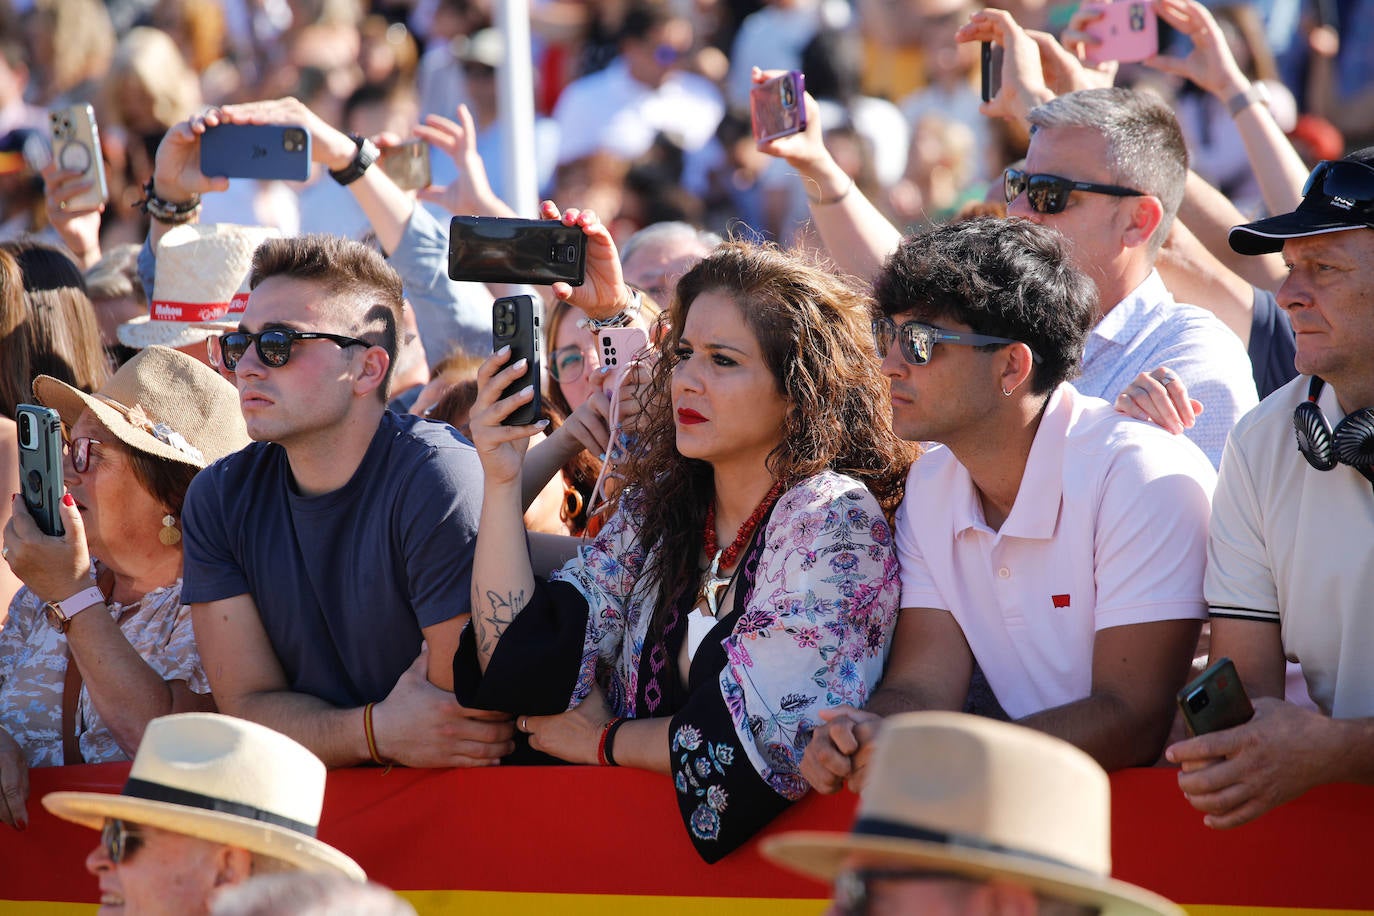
643, 17
1003, 277
349, 272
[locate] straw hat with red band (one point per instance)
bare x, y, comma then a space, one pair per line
949, 792
201, 284
225, 780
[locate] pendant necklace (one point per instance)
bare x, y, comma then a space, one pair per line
716, 582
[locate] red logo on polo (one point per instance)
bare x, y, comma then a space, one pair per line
1060, 600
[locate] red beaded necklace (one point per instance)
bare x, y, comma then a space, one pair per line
715, 583
730, 555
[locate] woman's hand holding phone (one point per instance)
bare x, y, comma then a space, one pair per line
1023, 79
603, 292
54, 567
501, 448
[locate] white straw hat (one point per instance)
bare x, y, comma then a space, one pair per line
221, 779
201, 284
957, 793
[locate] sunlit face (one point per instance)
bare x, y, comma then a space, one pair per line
655, 267
574, 358
167, 874
313, 391
1328, 295
727, 405
942, 400
121, 518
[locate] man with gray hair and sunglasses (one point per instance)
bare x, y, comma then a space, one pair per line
1287, 577
1053, 542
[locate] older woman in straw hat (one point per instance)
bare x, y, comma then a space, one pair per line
98, 642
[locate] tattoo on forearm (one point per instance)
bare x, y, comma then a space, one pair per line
500, 613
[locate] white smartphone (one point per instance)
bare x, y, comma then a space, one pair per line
76, 148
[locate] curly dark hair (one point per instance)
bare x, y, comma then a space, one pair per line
1003, 277
813, 328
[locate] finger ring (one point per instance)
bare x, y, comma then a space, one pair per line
62, 205
1169, 379
525, 724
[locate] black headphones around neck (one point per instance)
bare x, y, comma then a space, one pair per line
1350, 443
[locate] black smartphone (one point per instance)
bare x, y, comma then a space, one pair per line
266, 151
40, 464
1215, 700
407, 164
992, 70
493, 249
515, 323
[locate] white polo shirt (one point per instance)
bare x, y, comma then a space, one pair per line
1108, 529
1295, 546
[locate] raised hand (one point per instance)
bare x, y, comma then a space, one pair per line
604, 292
500, 448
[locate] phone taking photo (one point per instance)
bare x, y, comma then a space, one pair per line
515, 323
777, 106
40, 464
493, 249
1215, 700
76, 148
407, 164
620, 348
1128, 32
263, 151
991, 70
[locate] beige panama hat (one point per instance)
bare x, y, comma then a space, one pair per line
221, 779
957, 793
163, 403
201, 284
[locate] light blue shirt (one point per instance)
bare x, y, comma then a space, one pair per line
1148, 329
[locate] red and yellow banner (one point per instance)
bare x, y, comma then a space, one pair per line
583, 840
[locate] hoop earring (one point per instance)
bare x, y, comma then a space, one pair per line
1006, 393
1351, 443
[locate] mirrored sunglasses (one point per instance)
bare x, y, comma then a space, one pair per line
918, 339
274, 346
1050, 193
120, 839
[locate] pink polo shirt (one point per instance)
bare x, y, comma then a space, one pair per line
1108, 529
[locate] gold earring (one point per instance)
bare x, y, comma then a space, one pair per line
168, 534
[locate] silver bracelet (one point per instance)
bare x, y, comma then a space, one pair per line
620, 319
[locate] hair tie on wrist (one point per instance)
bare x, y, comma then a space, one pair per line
826, 201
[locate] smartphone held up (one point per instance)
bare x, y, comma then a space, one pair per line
264, 151
40, 464
492, 249
777, 106
515, 324
76, 148
1128, 31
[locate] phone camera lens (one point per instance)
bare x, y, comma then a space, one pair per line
789, 98
1199, 700
26, 435
569, 253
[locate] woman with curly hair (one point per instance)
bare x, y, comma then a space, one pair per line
747, 580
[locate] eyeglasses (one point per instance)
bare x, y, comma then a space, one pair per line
1050, 193
274, 346
80, 452
1346, 185
918, 339
853, 895
120, 839
568, 364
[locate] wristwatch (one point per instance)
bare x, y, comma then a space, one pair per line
1258, 93
367, 154
60, 613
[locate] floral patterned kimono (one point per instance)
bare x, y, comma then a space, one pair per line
815, 602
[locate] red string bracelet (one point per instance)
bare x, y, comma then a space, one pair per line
603, 756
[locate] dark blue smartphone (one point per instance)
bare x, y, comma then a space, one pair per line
267, 151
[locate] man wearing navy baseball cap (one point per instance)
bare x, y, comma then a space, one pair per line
1288, 563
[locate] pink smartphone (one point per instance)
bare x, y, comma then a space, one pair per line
619, 347
777, 106
1127, 32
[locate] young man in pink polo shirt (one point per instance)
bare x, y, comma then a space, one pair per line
1053, 542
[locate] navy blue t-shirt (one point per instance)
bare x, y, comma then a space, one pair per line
344, 581
1272, 345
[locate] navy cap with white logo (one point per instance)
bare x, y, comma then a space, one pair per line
1338, 196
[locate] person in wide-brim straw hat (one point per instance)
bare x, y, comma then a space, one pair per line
213, 800
959, 806
98, 640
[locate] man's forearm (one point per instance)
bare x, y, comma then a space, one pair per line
334, 735
1352, 751
895, 698
1108, 728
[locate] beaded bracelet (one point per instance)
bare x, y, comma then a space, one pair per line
604, 757
166, 211
620, 319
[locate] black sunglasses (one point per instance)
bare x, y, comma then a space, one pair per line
918, 339
1344, 184
120, 839
1050, 193
274, 346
